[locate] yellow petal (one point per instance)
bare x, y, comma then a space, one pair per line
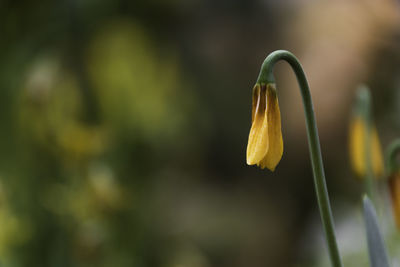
275, 150
257, 145
255, 101
394, 186
357, 146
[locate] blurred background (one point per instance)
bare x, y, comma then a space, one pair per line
124, 125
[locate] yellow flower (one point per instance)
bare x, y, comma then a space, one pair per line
357, 148
394, 187
265, 145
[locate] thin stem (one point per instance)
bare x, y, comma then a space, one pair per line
363, 106
266, 76
391, 153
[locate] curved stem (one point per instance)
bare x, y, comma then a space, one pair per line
266, 76
391, 154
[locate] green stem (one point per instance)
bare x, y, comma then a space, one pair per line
266, 76
391, 153
363, 106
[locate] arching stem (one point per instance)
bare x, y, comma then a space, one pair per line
266, 76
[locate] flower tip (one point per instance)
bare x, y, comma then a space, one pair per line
271, 161
271, 168
262, 164
250, 161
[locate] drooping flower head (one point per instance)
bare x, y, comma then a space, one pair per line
358, 130
361, 128
265, 145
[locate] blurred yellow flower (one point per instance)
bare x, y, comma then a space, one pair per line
14, 231
265, 145
357, 148
394, 187
122, 60
80, 142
